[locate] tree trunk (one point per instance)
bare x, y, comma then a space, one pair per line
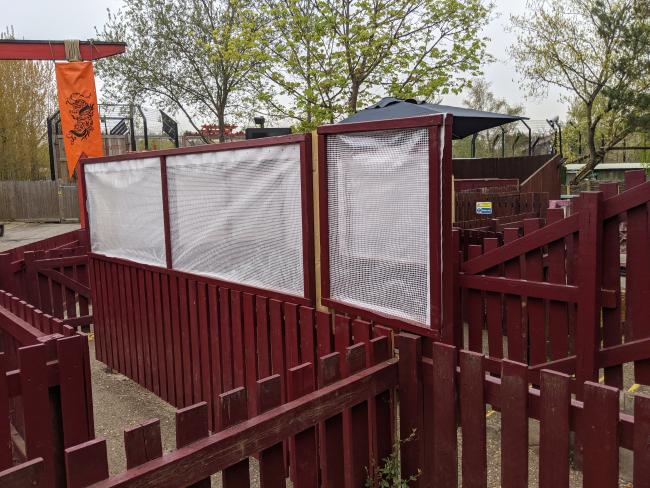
354, 98
595, 156
221, 118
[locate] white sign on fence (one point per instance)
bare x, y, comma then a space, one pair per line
484, 208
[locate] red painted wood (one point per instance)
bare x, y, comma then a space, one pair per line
535, 306
382, 421
174, 305
359, 440
237, 338
410, 391
589, 276
204, 346
331, 430
160, 339
475, 309
277, 343
5, 431
341, 338
143, 328
612, 330
406, 123
445, 452
191, 426
323, 333
304, 453
292, 353
555, 401
599, 436
142, 443
55, 50
494, 308
164, 183
641, 445
130, 320
637, 275
225, 339
250, 349
263, 341
517, 337
215, 353
80, 472
558, 327
39, 439
307, 207
195, 346
472, 420
306, 329
271, 460
75, 407
514, 425
151, 327
29, 473
232, 408
168, 339
185, 342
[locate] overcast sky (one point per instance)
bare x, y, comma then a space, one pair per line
76, 19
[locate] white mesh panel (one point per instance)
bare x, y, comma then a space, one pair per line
236, 215
379, 220
124, 200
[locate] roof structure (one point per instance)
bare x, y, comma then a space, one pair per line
466, 120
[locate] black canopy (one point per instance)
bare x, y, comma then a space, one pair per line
466, 120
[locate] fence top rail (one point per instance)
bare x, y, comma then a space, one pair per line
209, 455
225, 146
388, 124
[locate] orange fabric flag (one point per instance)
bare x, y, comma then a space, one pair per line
79, 111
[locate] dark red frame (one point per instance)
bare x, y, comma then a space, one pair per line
306, 193
440, 250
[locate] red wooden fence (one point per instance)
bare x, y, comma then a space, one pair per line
45, 391
52, 276
547, 291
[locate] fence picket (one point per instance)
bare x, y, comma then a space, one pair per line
555, 399
82, 473
514, 425
232, 408
641, 446
599, 436
535, 306
191, 426
358, 443
517, 336
303, 448
142, 443
472, 420
493, 305
410, 394
271, 462
474, 308
5, 430
331, 430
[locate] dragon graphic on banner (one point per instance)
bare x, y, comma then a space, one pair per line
79, 112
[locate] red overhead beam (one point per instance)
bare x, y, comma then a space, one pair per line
16, 49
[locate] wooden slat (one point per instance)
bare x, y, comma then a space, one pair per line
174, 302
225, 339
237, 339
410, 388
276, 331
271, 460
191, 426
494, 309
535, 306
215, 352
82, 473
514, 425
641, 444
445, 450
599, 436
195, 342
300, 382
331, 431
142, 443
472, 420
5, 431
555, 400
204, 346
232, 408
359, 440
263, 338
29, 473
185, 342
474, 309
250, 352
382, 421
160, 336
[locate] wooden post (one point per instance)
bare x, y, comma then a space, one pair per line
589, 282
410, 393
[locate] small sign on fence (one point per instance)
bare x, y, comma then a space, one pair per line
484, 208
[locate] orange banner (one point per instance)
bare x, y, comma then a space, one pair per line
79, 111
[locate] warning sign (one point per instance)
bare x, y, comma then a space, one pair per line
484, 208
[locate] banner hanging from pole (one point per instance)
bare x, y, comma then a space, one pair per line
79, 111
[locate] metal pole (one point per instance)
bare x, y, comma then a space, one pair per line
131, 125
474, 145
559, 129
503, 142
144, 126
50, 145
530, 138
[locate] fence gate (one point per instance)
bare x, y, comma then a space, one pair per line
51, 201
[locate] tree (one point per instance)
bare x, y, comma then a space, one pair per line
331, 57
598, 51
27, 98
193, 56
479, 96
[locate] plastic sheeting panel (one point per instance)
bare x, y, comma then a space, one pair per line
378, 221
124, 201
236, 215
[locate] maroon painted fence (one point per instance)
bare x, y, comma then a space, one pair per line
45, 392
51, 275
555, 293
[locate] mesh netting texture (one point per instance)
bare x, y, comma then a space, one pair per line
378, 206
236, 215
124, 201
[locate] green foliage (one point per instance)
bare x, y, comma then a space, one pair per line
598, 51
27, 98
193, 56
389, 474
329, 58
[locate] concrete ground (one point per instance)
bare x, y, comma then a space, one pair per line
21, 233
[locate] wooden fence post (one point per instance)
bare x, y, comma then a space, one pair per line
589, 282
410, 395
